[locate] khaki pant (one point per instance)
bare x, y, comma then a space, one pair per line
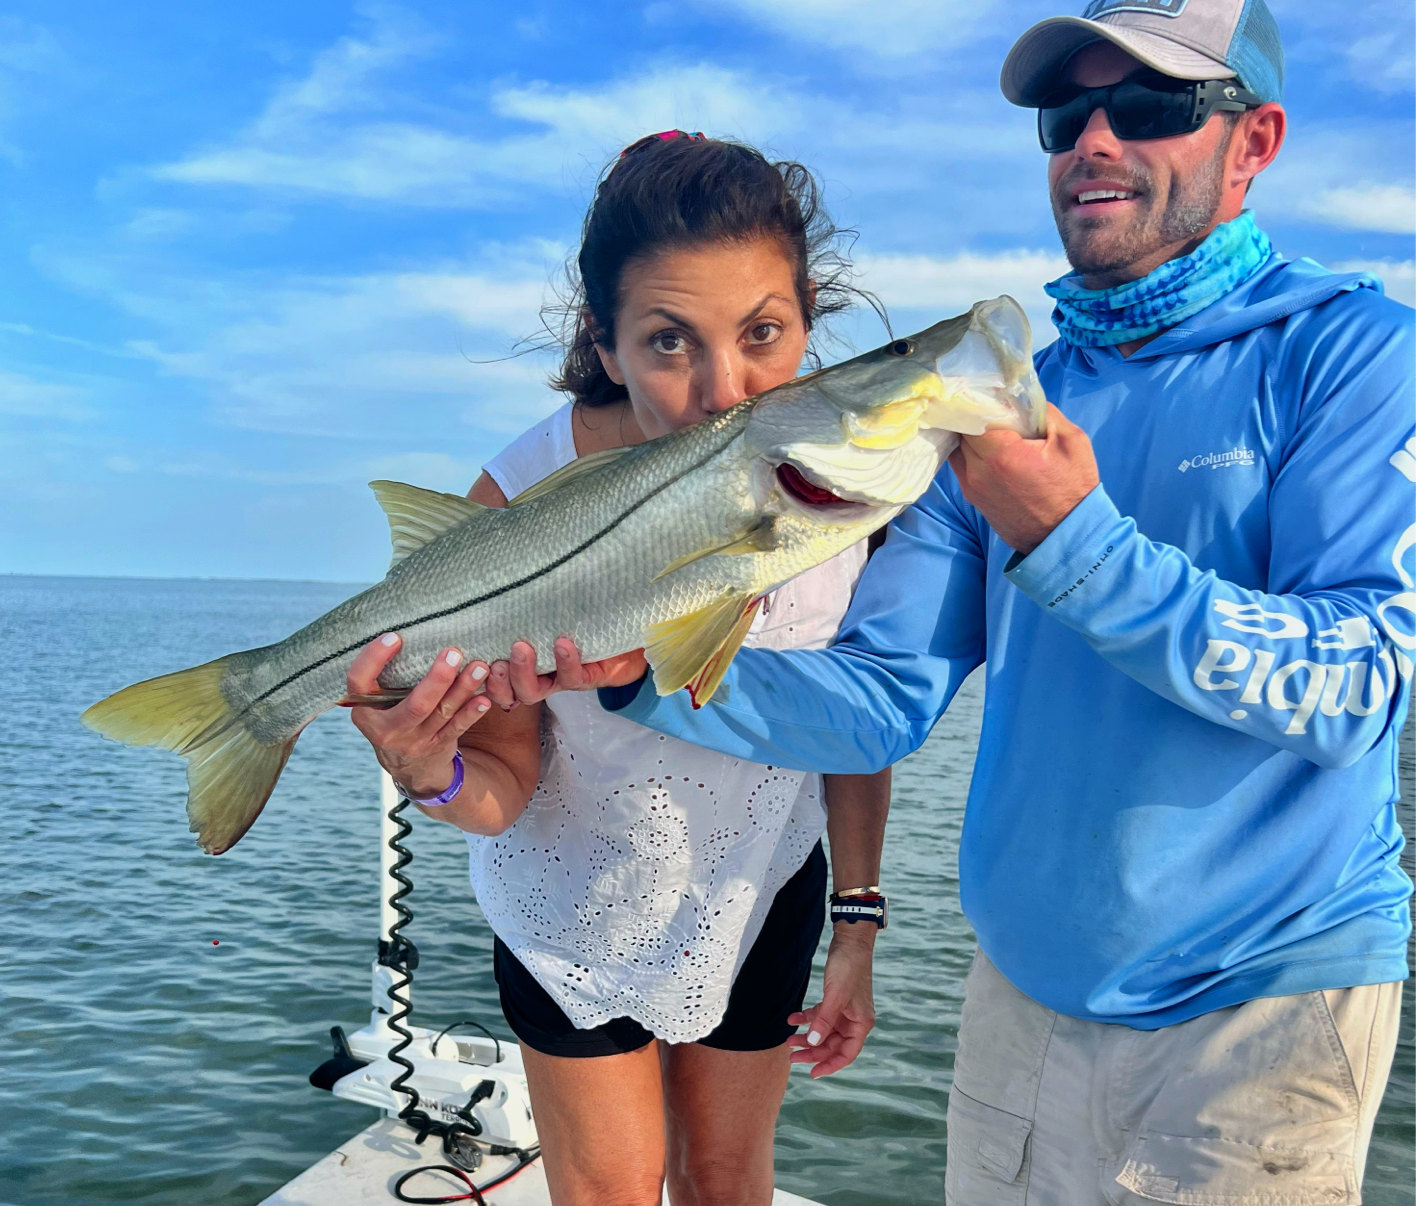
1268, 1103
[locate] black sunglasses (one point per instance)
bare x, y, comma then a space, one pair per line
1148, 105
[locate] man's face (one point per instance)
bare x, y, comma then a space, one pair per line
1171, 187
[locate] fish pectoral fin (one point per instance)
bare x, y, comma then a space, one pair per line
760, 539
695, 650
230, 774
568, 473
417, 517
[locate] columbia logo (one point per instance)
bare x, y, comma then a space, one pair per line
1219, 460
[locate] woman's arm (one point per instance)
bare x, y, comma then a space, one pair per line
448, 710
856, 807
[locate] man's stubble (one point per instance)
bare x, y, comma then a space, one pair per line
1189, 209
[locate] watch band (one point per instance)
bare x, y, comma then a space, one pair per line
447, 795
860, 904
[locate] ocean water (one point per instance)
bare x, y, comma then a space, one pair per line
162, 1009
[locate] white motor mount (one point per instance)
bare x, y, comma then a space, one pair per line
446, 1079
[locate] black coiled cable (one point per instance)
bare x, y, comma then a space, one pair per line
401, 955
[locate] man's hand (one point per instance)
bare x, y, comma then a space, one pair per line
837, 1028
516, 681
1025, 488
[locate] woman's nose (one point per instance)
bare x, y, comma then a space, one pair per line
1098, 139
722, 381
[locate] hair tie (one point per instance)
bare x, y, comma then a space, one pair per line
661, 136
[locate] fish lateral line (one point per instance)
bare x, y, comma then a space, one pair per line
501, 590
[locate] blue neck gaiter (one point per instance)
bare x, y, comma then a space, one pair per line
1091, 318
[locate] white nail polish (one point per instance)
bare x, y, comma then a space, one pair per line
389, 638
453, 657
483, 704
813, 1038
478, 673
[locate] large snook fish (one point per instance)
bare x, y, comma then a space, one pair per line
669, 545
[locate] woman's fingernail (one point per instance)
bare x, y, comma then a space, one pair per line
454, 658
389, 638
483, 704
518, 653
478, 673
813, 1038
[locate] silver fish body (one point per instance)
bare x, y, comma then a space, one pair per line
668, 545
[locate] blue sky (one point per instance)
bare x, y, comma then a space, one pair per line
251, 252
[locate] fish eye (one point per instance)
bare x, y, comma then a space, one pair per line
902, 347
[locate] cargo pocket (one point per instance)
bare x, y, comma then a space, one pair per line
988, 1150
1259, 1109
1223, 1172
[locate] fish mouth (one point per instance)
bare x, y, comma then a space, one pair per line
808, 493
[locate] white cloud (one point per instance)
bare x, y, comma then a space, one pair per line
27, 397
891, 28
943, 286
1386, 208
344, 131
1399, 276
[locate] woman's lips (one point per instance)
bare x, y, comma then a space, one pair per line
795, 484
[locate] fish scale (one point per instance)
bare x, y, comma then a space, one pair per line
665, 546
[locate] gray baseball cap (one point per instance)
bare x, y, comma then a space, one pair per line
1184, 39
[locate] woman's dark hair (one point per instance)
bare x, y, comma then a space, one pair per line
678, 190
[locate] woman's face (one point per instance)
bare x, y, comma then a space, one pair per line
702, 328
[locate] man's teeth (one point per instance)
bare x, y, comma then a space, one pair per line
1104, 194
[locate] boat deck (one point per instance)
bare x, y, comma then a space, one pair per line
363, 1169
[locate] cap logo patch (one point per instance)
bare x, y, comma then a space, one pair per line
1158, 8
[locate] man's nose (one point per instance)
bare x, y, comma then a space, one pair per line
1097, 140
721, 382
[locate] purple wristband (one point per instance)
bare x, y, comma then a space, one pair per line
448, 794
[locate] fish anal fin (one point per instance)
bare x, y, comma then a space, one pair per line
376, 699
230, 774
417, 517
568, 473
707, 681
761, 538
681, 648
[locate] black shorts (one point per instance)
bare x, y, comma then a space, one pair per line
771, 984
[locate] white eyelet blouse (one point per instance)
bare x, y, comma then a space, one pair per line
640, 874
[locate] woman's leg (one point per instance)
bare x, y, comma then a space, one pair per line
601, 1124
721, 1110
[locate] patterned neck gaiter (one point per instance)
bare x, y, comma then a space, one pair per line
1091, 318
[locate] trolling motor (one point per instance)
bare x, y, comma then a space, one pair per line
468, 1090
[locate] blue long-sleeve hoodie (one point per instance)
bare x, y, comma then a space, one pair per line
1185, 785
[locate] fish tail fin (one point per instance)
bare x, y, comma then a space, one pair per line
230, 774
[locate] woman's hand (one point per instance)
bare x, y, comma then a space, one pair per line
837, 1028
516, 681
416, 738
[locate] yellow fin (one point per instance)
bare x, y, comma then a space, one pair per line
707, 681
230, 775
416, 516
681, 649
568, 473
760, 539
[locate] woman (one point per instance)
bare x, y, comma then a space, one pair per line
656, 906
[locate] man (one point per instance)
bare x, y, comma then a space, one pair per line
1195, 599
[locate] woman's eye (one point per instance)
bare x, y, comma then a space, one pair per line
764, 332
671, 343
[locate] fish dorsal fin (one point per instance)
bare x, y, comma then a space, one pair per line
759, 539
694, 650
417, 517
568, 473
